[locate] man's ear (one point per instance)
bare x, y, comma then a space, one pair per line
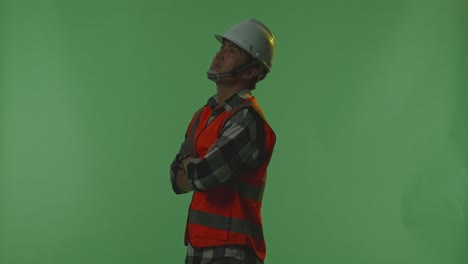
250, 73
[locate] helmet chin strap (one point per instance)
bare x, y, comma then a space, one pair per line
215, 76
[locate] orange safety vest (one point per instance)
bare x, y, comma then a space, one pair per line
228, 214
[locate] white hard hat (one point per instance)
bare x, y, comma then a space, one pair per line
253, 37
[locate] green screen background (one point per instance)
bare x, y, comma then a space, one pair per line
368, 99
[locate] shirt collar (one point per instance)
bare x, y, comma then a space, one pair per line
231, 102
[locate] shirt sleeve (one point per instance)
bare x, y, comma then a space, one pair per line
239, 147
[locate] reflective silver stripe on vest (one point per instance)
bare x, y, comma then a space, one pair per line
225, 223
188, 147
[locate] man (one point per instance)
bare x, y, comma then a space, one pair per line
224, 158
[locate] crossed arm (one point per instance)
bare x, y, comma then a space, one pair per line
240, 146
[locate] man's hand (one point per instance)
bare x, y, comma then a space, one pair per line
186, 161
182, 181
181, 178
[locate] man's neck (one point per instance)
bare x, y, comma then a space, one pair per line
225, 92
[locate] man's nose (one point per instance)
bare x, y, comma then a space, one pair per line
220, 55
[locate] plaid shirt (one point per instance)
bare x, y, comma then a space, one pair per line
241, 140
206, 255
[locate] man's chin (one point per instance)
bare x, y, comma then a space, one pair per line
212, 72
